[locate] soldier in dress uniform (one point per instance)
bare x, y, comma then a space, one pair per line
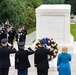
19, 37
4, 57
11, 34
21, 59
40, 59
21, 34
2, 25
24, 31
6, 24
3, 33
0, 33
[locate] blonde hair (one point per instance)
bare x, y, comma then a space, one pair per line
64, 49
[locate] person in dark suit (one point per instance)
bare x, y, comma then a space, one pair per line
21, 59
41, 59
4, 57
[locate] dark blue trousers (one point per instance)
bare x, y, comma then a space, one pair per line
23, 72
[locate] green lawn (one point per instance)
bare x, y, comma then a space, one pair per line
31, 30
73, 30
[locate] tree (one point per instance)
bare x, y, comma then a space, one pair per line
19, 11
73, 5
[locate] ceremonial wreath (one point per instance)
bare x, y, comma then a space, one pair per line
50, 44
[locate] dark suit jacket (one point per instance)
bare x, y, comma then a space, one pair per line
4, 56
21, 59
41, 58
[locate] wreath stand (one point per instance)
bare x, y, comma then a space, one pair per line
52, 64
